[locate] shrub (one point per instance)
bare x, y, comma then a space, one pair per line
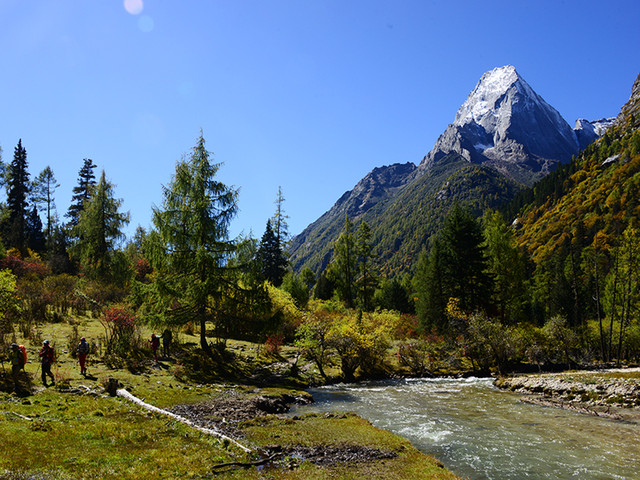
273, 344
121, 332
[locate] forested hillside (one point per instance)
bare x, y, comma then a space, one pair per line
581, 227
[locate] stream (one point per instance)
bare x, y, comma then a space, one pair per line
481, 432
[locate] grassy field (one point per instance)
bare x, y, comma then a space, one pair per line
74, 430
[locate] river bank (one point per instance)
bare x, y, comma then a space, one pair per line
77, 427
609, 393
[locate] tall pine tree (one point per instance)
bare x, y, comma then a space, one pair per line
193, 240
43, 190
455, 268
99, 229
17, 192
271, 258
279, 222
34, 237
367, 280
344, 266
81, 192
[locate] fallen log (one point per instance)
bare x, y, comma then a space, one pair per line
121, 392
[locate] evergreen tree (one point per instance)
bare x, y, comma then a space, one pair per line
279, 222
367, 281
35, 239
428, 282
464, 262
455, 268
194, 247
81, 192
99, 229
343, 268
394, 296
308, 277
43, 190
324, 287
18, 190
507, 267
273, 264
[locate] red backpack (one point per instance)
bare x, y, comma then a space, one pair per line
23, 350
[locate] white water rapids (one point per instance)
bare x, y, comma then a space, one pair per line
481, 432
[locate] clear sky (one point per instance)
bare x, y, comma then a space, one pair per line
303, 94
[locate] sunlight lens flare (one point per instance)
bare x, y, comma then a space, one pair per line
134, 7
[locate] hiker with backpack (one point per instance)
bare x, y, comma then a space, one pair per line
17, 363
47, 357
167, 337
155, 343
83, 350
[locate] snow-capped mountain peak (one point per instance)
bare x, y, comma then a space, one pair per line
482, 99
504, 123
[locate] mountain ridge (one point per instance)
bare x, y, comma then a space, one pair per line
480, 160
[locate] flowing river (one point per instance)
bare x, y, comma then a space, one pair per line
481, 432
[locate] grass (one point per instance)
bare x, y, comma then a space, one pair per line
57, 435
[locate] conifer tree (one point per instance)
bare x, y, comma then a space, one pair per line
464, 260
43, 190
343, 268
455, 268
18, 190
507, 267
367, 281
34, 237
428, 282
81, 192
98, 230
279, 222
193, 240
273, 264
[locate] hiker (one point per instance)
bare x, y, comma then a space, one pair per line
17, 363
47, 357
155, 343
83, 350
167, 336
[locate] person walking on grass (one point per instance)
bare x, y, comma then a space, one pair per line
155, 343
47, 357
83, 350
167, 337
17, 364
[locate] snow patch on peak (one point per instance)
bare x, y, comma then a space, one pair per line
588, 131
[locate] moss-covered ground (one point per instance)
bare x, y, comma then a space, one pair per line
75, 430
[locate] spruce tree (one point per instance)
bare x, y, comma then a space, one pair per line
18, 190
455, 268
193, 244
43, 190
271, 258
81, 192
279, 222
343, 267
99, 229
367, 280
464, 260
34, 237
428, 282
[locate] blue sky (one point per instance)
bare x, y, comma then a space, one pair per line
306, 95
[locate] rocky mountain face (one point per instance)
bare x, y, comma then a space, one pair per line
378, 185
504, 137
506, 125
630, 113
587, 132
